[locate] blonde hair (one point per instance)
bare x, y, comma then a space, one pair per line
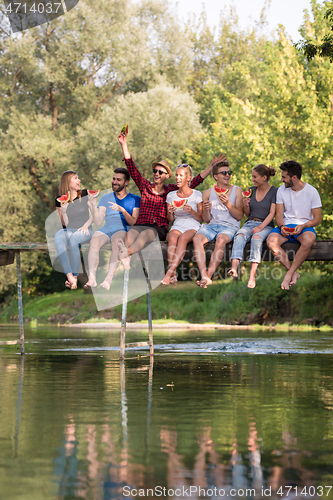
187, 168
65, 182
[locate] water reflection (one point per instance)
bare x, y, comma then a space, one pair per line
86, 426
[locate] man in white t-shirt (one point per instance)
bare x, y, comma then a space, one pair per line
298, 206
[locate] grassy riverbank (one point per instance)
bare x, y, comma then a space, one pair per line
310, 302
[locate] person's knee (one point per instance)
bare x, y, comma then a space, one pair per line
307, 241
256, 237
222, 240
272, 242
198, 240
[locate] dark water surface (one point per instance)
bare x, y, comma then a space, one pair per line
226, 411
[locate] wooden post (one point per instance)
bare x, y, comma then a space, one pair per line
19, 298
123, 315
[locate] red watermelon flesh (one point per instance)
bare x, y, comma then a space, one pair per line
65, 198
179, 203
93, 193
220, 190
247, 194
289, 230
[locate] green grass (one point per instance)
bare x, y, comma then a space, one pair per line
309, 303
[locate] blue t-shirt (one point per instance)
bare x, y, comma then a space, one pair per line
113, 218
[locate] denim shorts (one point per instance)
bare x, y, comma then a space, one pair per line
211, 231
108, 231
291, 237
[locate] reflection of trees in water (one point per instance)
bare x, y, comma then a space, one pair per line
119, 449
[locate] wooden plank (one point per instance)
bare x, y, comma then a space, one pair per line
7, 257
9, 342
29, 246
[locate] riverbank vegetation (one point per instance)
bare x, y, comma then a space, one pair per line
309, 303
187, 92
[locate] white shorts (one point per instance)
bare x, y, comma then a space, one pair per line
185, 224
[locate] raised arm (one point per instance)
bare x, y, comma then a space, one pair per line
198, 179
131, 167
98, 214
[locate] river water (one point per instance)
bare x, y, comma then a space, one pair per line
214, 414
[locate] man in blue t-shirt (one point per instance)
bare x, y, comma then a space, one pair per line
120, 210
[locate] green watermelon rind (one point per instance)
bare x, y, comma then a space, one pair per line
247, 194
65, 200
124, 130
220, 190
93, 192
182, 203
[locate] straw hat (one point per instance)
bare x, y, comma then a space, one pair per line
163, 164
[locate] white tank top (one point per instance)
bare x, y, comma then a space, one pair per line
219, 212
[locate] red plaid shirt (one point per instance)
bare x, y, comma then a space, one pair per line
153, 208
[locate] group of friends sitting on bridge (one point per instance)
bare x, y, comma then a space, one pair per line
132, 222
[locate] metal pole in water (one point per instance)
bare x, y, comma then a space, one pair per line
124, 314
19, 298
150, 319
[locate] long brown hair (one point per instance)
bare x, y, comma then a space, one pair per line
65, 181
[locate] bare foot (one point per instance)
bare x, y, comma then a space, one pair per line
285, 285
124, 254
294, 278
71, 281
232, 273
205, 282
173, 280
91, 283
105, 284
251, 283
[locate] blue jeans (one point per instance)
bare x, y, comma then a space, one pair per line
74, 239
243, 235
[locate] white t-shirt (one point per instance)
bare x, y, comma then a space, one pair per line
192, 201
298, 204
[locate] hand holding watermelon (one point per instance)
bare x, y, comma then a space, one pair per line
288, 231
124, 130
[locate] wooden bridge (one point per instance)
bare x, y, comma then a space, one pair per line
322, 250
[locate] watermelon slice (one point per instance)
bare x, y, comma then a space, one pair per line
247, 194
289, 230
93, 193
124, 130
65, 198
179, 203
220, 190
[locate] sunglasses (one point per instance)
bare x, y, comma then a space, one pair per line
225, 172
159, 171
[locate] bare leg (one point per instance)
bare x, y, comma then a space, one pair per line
136, 244
217, 256
233, 272
306, 240
114, 261
179, 253
274, 242
199, 241
252, 279
172, 240
97, 241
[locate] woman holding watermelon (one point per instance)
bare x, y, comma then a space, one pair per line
259, 206
185, 211
72, 207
